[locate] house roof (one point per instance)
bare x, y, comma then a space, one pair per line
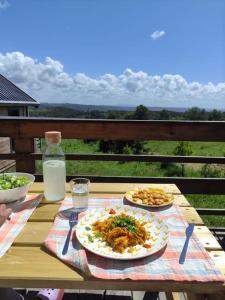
11, 94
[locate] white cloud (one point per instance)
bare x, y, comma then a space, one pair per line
48, 82
4, 4
157, 34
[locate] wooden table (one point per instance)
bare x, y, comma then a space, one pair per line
27, 264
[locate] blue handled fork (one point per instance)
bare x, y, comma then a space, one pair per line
189, 231
72, 223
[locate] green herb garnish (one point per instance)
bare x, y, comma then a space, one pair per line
98, 234
90, 238
87, 228
127, 221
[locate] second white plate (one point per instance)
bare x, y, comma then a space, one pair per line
129, 196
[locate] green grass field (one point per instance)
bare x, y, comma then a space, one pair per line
156, 147
149, 169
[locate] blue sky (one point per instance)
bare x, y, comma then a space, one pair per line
142, 40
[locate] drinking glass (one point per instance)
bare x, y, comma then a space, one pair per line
80, 191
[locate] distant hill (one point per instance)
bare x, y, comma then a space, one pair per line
87, 108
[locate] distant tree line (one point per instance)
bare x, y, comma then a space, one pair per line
141, 113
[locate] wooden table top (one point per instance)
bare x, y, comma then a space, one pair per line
27, 264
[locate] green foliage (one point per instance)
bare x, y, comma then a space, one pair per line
211, 171
183, 149
115, 114
127, 150
126, 147
164, 115
89, 141
123, 147
216, 115
195, 113
141, 113
174, 170
165, 165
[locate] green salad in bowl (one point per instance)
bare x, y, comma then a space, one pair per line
12, 181
14, 186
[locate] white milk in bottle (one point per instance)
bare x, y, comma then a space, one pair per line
54, 167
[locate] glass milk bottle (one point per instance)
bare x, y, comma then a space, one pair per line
54, 167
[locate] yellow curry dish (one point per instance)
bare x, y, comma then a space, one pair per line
121, 232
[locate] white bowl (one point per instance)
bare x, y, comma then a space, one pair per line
18, 192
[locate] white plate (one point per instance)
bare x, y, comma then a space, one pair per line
154, 225
129, 197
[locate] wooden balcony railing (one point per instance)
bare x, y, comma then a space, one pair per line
24, 130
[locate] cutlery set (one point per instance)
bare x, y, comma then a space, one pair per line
74, 219
72, 222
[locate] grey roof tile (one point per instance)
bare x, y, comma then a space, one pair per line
11, 94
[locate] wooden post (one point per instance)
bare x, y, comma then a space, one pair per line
219, 296
25, 146
193, 296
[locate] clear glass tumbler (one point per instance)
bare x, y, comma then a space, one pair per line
80, 193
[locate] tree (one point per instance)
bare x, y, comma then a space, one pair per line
127, 147
215, 115
183, 149
196, 113
113, 115
123, 147
209, 171
141, 113
164, 115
